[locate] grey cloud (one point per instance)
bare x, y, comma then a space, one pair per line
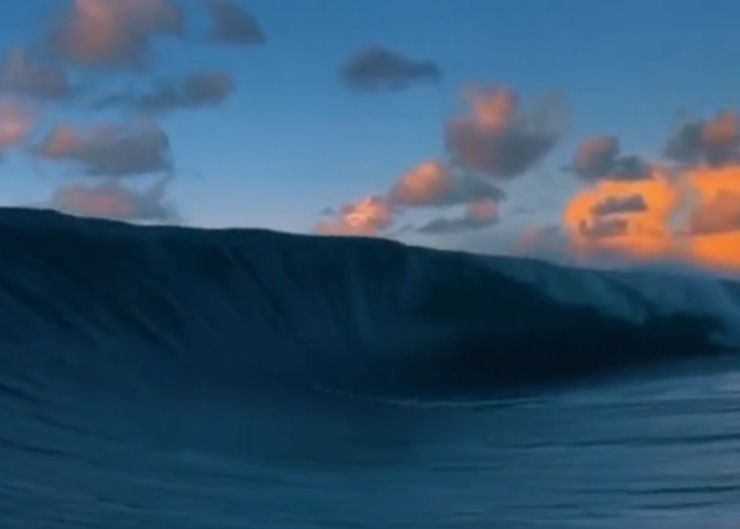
466, 188
620, 205
500, 140
124, 37
435, 184
111, 150
193, 91
604, 228
715, 141
599, 157
480, 214
19, 76
378, 68
232, 24
453, 225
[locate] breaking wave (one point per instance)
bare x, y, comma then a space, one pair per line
113, 306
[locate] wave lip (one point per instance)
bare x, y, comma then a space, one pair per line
121, 308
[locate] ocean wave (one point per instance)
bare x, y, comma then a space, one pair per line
124, 308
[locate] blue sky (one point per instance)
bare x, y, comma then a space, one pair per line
293, 139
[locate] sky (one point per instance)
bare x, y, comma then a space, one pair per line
581, 130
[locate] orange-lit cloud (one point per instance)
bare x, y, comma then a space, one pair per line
714, 223
498, 138
62, 141
110, 150
15, 124
432, 183
427, 183
714, 142
721, 132
113, 200
367, 217
629, 218
599, 157
493, 110
114, 33
483, 211
691, 216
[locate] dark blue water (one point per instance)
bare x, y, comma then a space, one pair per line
654, 452
164, 378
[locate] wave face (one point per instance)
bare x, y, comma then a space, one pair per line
99, 303
167, 378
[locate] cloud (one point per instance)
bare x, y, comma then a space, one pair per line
500, 140
599, 157
604, 228
632, 218
193, 91
367, 217
377, 68
616, 205
689, 215
110, 150
716, 197
719, 214
20, 77
479, 214
111, 199
713, 142
114, 33
15, 124
429, 184
714, 222
432, 183
231, 24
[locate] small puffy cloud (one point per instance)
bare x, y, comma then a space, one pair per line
715, 141
595, 156
367, 217
432, 183
599, 157
377, 68
110, 150
15, 124
19, 76
429, 184
618, 205
113, 200
232, 24
500, 140
479, 214
114, 33
193, 91
604, 228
